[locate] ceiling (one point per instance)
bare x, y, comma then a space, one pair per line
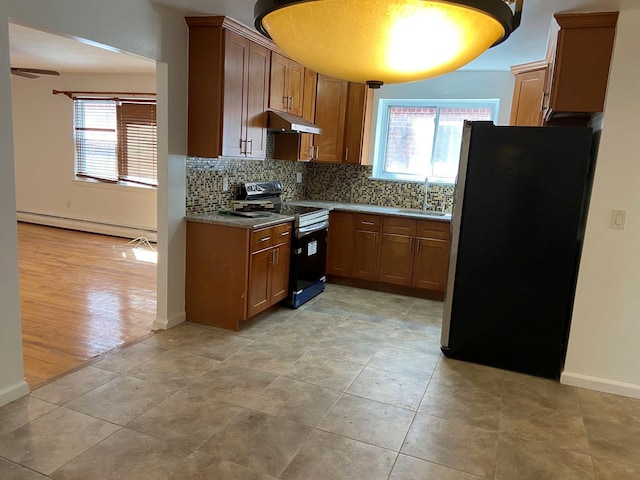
36, 49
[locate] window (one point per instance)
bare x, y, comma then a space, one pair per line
115, 140
421, 138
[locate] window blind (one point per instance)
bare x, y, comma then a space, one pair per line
116, 140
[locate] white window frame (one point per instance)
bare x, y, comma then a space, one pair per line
382, 127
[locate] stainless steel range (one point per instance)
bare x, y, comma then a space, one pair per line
307, 274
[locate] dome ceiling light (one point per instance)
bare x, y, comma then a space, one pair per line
386, 41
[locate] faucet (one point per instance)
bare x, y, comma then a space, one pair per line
425, 205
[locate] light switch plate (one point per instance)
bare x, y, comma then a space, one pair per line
618, 219
298, 177
225, 184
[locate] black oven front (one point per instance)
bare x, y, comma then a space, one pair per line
307, 274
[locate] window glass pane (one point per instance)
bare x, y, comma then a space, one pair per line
96, 138
409, 140
446, 154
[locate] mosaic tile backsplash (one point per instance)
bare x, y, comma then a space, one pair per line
330, 182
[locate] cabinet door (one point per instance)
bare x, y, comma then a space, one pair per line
396, 259
331, 105
236, 62
354, 123
259, 296
295, 87
278, 95
340, 244
308, 112
365, 246
257, 94
430, 265
280, 273
528, 93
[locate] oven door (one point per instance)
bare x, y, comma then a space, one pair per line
308, 256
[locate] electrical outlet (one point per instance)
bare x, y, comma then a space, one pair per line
298, 177
225, 184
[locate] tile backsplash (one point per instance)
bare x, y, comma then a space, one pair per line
330, 182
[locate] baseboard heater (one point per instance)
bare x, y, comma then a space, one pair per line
87, 226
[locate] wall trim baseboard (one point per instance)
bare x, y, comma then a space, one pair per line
87, 225
166, 324
13, 392
600, 384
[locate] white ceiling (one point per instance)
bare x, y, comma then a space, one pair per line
35, 49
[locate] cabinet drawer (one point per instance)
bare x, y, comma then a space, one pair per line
437, 230
367, 222
261, 239
399, 226
281, 234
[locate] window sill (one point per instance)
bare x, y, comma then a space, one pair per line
397, 180
90, 182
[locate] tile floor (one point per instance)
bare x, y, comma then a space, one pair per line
351, 386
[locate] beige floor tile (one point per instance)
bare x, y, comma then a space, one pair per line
124, 455
346, 348
129, 357
545, 426
331, 457
608, 470
296, 401
199, 466
214, 345
541, 391
332, 307
325, 372
266, 356
405, 362
480, 409
424, 306
613, 441
368, 421
21, 412
121, 400
73, 385
314, 321
529, 461
184, 420
299, 337
609, 407
54, 439
389, 387
456, 445
173, 368
360, 330
230, 384
179, 335
469, 377
258, 441
411, 468
420, 342
12, 471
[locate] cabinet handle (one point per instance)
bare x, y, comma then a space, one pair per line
284, 234
289, 103
265, 239
317, 153
278, 256
366, 223
411, 244
250, 142
273, 257
242, 151
311, 151
346, 154
286, 102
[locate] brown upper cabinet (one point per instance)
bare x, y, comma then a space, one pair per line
228, 89
528, 94
580, 54
574, 73
287, 85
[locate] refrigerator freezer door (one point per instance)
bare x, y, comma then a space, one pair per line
518, 226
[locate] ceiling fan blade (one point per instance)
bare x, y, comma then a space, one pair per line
38, 71
19, 73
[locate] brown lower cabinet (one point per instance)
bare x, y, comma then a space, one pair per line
234, 273
390, 250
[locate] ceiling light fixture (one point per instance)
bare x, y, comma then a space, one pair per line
386, 41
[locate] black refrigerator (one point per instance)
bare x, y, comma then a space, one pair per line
518, 223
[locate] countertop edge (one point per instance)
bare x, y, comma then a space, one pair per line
237, 221
375, 209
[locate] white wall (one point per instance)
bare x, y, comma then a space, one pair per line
604, 344
455, 85
44, 154
139, 27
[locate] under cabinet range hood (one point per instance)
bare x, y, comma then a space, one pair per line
287, 122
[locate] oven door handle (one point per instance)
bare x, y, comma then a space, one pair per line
303, 231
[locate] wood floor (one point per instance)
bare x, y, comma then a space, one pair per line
81, 295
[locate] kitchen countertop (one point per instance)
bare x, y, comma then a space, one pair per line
364, 208
237, 221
